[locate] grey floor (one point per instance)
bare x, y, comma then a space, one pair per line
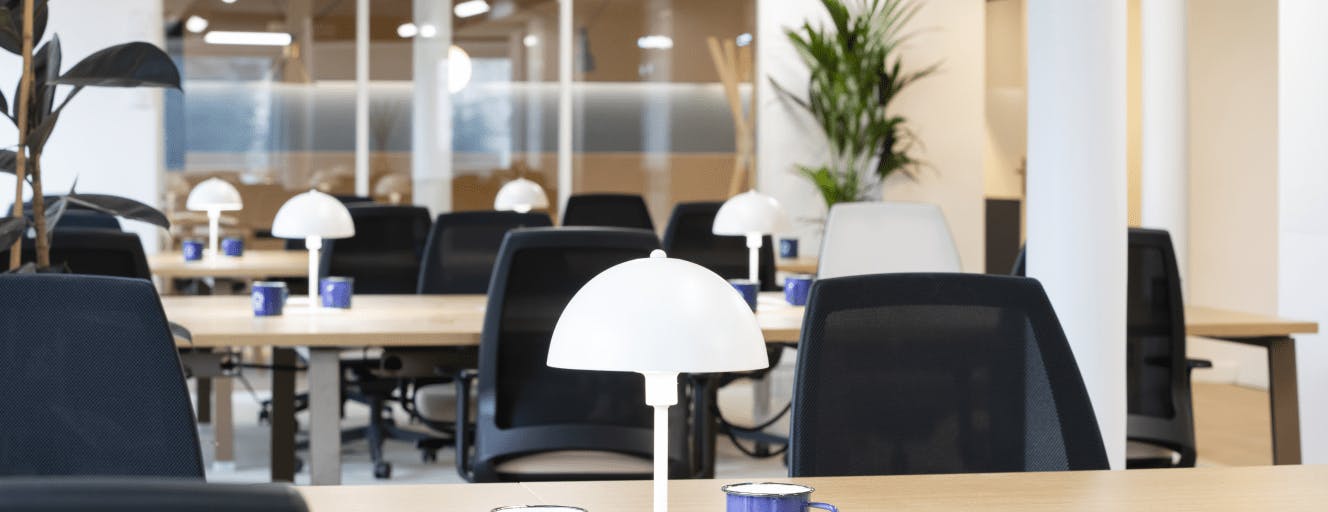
252, 448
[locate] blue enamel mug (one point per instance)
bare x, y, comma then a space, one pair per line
336, 292
796, 289
772, 497
747, 288
788, 248
232, 246
192, 249
268, 298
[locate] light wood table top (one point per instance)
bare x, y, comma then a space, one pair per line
803, 265
380, 320
255, 264
1282, 488
1221, 323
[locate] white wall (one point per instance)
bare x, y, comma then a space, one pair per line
946, 110
109, 139
1303, 203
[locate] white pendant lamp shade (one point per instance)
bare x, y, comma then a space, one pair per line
521, 195
313, 214
214, 194
659, 317
393, 186
751, 213
658, 314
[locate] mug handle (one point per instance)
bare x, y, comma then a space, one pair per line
822, 506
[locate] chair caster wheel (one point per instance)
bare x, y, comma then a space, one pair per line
383, 470
428, 456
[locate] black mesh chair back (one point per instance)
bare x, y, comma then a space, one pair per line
75, 216
141, 494
92, 382
937, 373
688, 236
608, 210
463, 247
1158, 392
384, 255
526, 407
100, 252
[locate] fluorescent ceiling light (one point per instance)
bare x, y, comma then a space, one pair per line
248, 38
196, 24
407, 30
654, 42
470, 8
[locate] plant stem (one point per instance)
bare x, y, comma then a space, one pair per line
21, 162
39, 214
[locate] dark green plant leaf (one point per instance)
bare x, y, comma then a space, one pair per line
12, 229
55, 210
136, 64
41, 133
120, 207
11, 24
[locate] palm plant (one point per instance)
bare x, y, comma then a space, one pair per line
35, 112
855, 73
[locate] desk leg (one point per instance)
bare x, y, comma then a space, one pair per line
204, 402
704, 389
283, 415
1284, 398
223, 426
761, 388
325, 416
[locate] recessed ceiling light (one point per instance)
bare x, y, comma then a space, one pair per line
196, 24
227, 1
407, 30
428, 31
654, 42
248, 38
530, 40
470, 8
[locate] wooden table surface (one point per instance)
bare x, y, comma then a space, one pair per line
1222, 323
803, 265
255, 264
1282, 488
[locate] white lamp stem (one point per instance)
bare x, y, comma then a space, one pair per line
214, 226
315, 245
754, 257
661, 392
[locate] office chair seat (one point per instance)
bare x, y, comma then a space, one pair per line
580, 462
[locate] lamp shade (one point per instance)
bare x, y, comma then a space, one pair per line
214, 194
658, 314
749, 213
395, 183
313, 214
521, 195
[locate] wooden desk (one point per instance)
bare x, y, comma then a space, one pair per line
433, 320
255, 264
803, 265
1285, 488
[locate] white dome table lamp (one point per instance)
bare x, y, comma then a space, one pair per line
213, 196
754, 215
521, 195
313, 216
659, 317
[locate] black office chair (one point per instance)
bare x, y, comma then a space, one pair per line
608, 210
937, 373
92, 383
140, 494
384, 255
463, 247
541, 423
1160, 427
75, 216
101, 252
688, 236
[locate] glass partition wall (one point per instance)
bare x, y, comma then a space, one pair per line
460, 100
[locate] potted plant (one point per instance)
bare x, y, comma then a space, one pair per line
35, 112
856, 72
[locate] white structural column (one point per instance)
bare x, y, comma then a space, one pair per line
565, 48
1302, 125
431, 119
362, 98
1166, 130
1076, 190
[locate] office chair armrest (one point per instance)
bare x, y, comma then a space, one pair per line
464, 380
1191, 364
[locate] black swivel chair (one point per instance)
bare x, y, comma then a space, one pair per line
101, 252
139, 494
688, 236
937, 373
1160, 403
530, 415
463, 247
92, 383
608, 210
